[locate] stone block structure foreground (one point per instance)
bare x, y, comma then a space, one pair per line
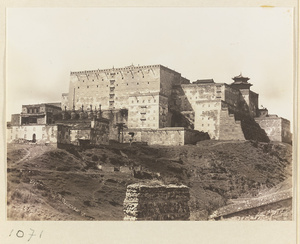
156, 202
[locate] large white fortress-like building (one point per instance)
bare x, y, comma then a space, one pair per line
160, 106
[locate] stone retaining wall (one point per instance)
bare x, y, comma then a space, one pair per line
156, 202
168, 136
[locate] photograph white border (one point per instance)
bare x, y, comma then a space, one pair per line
147, 232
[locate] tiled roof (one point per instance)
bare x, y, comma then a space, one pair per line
240, 77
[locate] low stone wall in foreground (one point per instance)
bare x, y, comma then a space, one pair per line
275, 206
156, 202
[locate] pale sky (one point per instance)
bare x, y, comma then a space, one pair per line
45, 44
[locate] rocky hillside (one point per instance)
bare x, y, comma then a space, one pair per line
45, 183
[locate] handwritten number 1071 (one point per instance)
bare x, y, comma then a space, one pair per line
21, 234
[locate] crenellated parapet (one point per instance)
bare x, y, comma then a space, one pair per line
123, 69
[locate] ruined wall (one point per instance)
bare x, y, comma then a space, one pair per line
63, 134
99, 133
71, 131
76, 134
43, 133
156, 202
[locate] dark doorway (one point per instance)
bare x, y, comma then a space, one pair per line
33, 138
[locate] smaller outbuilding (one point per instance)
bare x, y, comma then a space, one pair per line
83, 132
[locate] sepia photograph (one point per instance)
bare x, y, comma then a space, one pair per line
150, 114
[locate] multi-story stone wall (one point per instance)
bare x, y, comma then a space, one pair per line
156, 202
205, 100
111, 88
219, 109
195, 93
144, 90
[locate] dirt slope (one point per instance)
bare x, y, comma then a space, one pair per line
48, 183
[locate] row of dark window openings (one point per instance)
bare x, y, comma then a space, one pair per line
107, 85
122, 76
111, 103
142, 101
111, 97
